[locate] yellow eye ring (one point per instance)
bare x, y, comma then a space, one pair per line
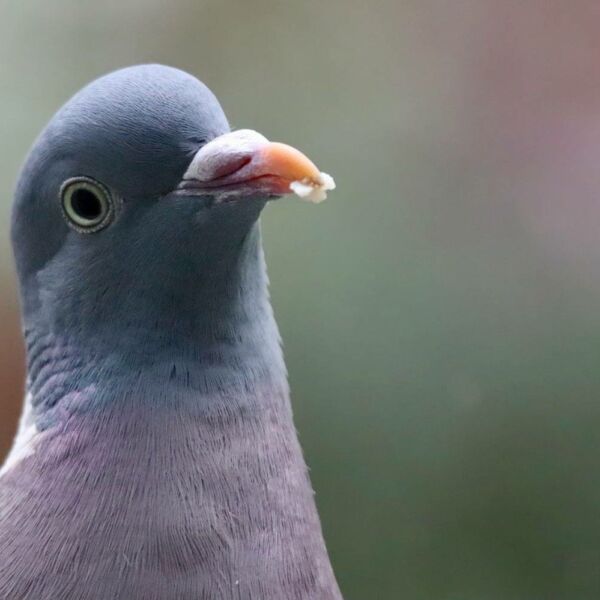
86, 204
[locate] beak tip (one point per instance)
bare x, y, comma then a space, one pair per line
312, 191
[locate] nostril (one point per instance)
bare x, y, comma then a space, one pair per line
213, 166
224, 156
229, 165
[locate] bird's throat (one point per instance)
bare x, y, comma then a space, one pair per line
188, 340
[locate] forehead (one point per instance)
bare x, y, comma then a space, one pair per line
136, 129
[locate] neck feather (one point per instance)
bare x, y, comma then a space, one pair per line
167, 433
197, 337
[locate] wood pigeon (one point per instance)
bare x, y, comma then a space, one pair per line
156, 457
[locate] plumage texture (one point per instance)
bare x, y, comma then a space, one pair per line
157, 457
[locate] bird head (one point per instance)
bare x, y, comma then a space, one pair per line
137, 204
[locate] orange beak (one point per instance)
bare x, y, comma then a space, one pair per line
245, 163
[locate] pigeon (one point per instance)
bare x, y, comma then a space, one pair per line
156, 456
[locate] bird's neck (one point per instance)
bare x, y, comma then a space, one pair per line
182, 439
201, 337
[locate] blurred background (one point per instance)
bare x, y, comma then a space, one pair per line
440, 311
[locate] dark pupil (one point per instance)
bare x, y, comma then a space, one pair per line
86, 204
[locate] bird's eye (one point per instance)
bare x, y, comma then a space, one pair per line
87, 205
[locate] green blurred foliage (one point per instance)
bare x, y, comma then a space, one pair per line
439, 311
